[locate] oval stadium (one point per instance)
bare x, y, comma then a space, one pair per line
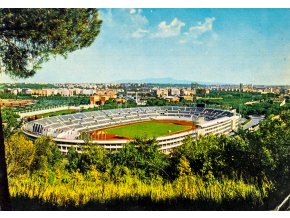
116, 127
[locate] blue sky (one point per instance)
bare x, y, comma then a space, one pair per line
204, 45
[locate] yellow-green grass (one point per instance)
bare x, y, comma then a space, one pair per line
147, 129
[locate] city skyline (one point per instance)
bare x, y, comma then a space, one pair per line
232, 46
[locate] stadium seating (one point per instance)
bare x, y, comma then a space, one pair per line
70, 126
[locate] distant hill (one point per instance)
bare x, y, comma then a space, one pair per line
164, 80
27, 85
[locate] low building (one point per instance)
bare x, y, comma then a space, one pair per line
174, 92
87, 92
187, 92
112, 93
101, 96
14, 103
202, 91
27, 91
66, 92
42, 92
160, 92
172, 99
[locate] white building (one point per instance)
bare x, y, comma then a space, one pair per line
87, 91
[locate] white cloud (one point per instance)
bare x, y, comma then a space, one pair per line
130, 24
203, 27
138, 18
132, 11
170, 30
140, 33
195, 32
123, 23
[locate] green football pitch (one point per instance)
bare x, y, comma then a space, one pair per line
146, 129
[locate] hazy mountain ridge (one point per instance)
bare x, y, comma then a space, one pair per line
165, 80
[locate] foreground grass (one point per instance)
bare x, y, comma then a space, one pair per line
147, 129
185, 193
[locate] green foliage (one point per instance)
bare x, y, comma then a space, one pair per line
127, 156
93, 155
62, 100
150, 158
9, 119
47, 154
157, 102
266, 108
112, 104
237, 100
231, 100
254, 156
164, 102
28, 37
184, 167
7, 96
73, 159
20, 153
273, 138
142, 158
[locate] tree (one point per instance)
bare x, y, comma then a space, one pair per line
19, 154
73, 159
30, 37
142, 157
273, 152
150, 158
9, 121
127, 156
184, 167
94, 155
47, 154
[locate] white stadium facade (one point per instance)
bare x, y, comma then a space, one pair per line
65, 130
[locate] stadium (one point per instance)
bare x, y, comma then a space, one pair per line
116, 127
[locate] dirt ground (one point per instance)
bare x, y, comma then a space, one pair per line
100, 134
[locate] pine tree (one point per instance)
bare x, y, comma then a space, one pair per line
30, 37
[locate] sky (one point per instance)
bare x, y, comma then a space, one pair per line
250, 46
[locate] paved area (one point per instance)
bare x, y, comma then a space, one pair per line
255, 120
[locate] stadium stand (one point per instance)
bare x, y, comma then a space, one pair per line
67, 129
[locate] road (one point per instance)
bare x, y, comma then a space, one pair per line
255, 120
